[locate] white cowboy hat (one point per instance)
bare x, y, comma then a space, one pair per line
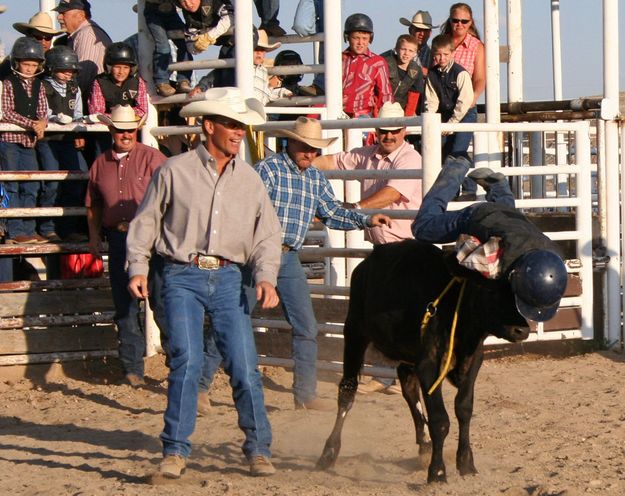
263, 42
122, 117
422, 20
306, 130
41, 22
389, 110
227, 102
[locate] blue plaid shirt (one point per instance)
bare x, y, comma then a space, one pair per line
298, 196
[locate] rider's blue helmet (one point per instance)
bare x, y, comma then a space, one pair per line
538, 280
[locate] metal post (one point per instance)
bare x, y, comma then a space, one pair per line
244, 47
584, 225
493, 97
146, 49
515, 69
609, 112
537, 157
354, 239
430, 149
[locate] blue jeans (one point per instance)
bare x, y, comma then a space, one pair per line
189, 293
433, 223
457, 145
268, 12
54, 156
127, 316
292, 287
159, 23
23, 194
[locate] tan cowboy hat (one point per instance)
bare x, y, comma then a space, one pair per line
263, 42
227, 102
422, 20
390, 110
41, 22
307, 131
3, 9
122, 117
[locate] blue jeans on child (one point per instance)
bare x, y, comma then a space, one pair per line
188, 294
54, 156
433, 223
23, 194
159, 23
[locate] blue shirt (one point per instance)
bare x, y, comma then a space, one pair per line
299, 195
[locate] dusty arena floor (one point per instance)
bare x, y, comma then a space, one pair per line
541, 427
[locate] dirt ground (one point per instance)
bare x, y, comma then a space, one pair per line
542, 426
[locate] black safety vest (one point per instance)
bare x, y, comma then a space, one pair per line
58, 103
207, 16
519, 235
126, 94
25, 105
403, 81
445, 84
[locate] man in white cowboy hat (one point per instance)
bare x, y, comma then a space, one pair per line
300, 193
118, 180
207, 213
392, 152
420, 28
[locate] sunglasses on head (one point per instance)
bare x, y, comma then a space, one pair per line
40, 37
462, 21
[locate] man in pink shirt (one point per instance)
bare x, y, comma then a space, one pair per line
391, 153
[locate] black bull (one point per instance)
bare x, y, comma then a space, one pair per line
390, 291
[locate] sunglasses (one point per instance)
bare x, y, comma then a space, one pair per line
229, 124
117, 130
461, 21
392, 131
40, 37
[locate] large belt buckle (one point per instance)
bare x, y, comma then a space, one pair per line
207, 262
123, 226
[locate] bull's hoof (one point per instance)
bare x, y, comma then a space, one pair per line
438, 475
467, 470
327, 459
465, 464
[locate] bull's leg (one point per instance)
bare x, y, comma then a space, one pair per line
438, 421
353, 356
463, 405
411, 389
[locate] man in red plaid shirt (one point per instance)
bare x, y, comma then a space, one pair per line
24, 103
366, 82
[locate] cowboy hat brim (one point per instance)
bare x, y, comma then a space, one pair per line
25, 28
269, 48
407, 22
253, 115
314, 142
125, 125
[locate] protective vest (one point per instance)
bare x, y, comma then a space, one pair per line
207, 16
58, 103
25, 105
519, 235
445, 84
403, 81
126, 94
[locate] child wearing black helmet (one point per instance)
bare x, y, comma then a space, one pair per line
23, 104
61, 150
119, 84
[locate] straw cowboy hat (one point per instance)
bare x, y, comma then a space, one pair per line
122, 117
3, 9
306, 130
389, 110
263, 42
422, 20
227, 102
41, 22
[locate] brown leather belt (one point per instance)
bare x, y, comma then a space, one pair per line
206, 262
121, 227
287, 248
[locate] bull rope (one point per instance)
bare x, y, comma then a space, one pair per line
430, 312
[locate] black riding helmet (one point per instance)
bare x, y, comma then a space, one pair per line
61, 58
289, 57
120, 53
27, 48
538, 280
358, 22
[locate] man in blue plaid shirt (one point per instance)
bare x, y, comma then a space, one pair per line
300, 193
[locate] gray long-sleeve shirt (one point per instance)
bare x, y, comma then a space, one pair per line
189, 209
